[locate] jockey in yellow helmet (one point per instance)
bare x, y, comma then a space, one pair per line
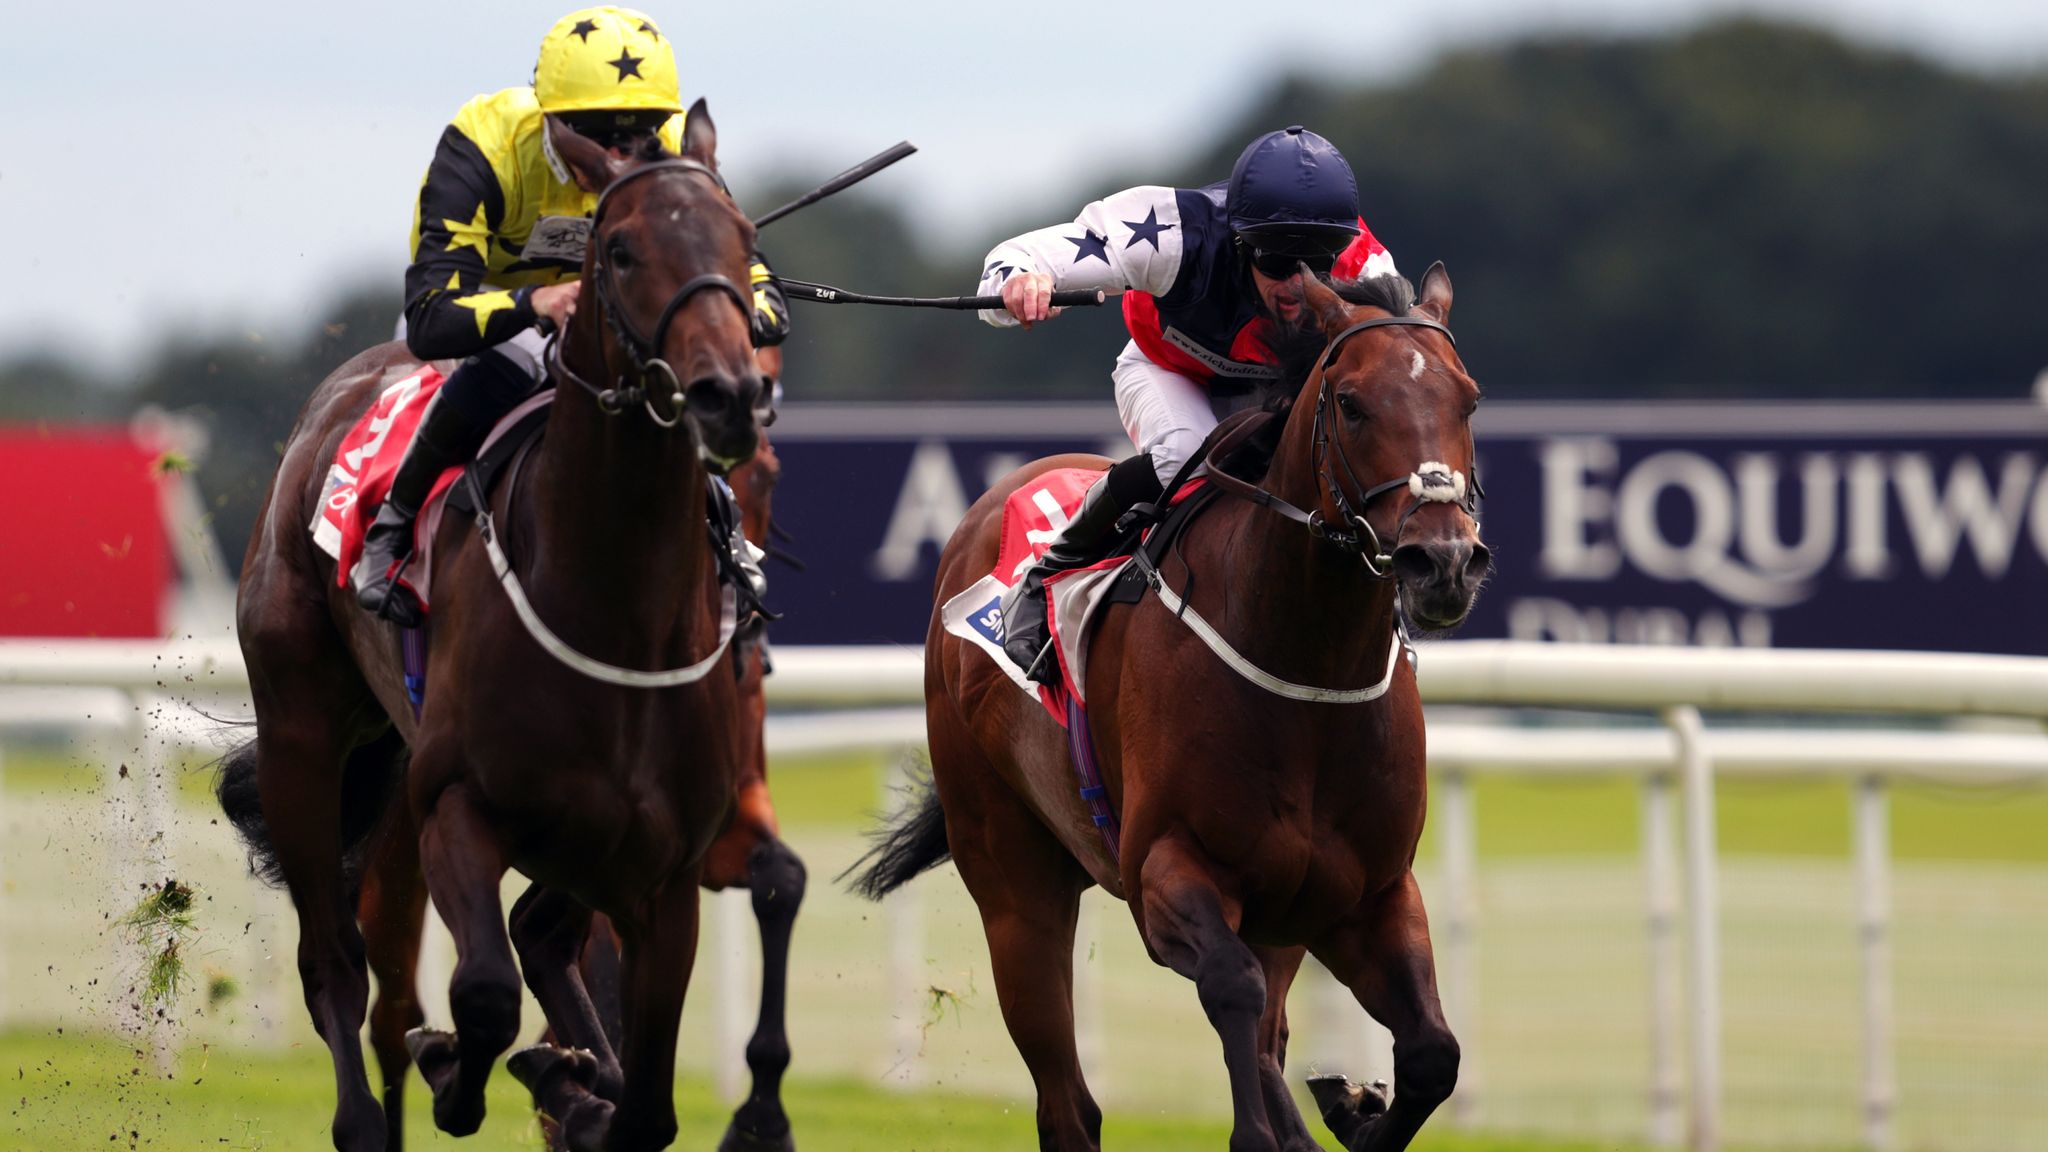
497, 244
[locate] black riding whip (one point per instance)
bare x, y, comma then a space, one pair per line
826, 294
844, 180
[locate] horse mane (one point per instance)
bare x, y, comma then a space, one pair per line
1297, 350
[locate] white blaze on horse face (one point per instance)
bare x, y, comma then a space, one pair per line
1415, 366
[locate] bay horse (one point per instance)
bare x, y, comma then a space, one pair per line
750, 852
546, 741
1253, 825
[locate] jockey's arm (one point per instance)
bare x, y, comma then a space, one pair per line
449, 313
1126, 242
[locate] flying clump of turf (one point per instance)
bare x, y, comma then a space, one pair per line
161, 927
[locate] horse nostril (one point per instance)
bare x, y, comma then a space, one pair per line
709, 396
1480, 564
1413, 563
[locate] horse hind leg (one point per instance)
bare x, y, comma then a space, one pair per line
464, 865
776, 877
1190, 925
392, 911
1028, 888
299, 769
1382, 953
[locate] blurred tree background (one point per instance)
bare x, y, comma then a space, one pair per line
1746, 209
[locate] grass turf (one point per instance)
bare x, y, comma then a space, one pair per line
72, 1094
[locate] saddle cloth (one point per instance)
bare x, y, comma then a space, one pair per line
364, 465
1032, 516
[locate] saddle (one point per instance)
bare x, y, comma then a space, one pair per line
369, 454
1240, 446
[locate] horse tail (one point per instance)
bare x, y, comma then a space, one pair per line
367, 783
908, 845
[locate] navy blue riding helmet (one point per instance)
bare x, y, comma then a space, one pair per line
1292, 196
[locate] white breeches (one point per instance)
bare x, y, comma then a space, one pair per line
1167, 414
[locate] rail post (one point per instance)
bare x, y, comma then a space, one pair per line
1704, 918
1458, 839
1874, 900
1660, 871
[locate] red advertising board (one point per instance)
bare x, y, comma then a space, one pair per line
83, 544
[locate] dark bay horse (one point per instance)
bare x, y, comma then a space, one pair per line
605, 791
1253, 825
749, 852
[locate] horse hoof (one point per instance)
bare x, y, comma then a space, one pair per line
1347, 1107
543, 1067
434, 1052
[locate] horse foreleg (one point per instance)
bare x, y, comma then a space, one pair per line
1191, 926
656, 960
550, 928
464, 865
776, 877
392, 911
1381, 952
1280, 966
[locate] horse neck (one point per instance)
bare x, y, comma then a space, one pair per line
1297, 586
618, 530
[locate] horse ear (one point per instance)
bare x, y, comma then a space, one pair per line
1323, 302
1436, 293
700, 135
589, 164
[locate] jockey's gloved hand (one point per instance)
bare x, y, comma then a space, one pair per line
771, 311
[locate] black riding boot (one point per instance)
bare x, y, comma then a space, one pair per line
461, 414
1080, 543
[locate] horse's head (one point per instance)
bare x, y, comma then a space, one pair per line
666, 292
1393, 431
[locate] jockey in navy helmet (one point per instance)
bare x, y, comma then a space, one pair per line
1206, 275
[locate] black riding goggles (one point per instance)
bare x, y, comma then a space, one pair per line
1281, 265
616, 130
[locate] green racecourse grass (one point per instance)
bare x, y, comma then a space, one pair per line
87, 1095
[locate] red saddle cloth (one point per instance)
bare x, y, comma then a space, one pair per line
1032, 516
361, 474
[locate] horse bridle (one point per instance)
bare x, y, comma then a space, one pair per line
645, 352
1431, 482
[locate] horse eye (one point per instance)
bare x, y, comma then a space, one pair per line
621, 256
1348, 406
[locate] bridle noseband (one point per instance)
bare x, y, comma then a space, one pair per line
1430, 482
645, 352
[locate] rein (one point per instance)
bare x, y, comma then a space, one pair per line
645, 352
613, 401
1430, 482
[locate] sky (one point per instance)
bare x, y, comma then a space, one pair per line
234, 170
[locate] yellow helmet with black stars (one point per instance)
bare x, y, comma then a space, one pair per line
606, 59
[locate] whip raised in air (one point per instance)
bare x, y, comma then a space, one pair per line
841, 182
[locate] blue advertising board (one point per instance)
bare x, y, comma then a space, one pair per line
1914, 526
